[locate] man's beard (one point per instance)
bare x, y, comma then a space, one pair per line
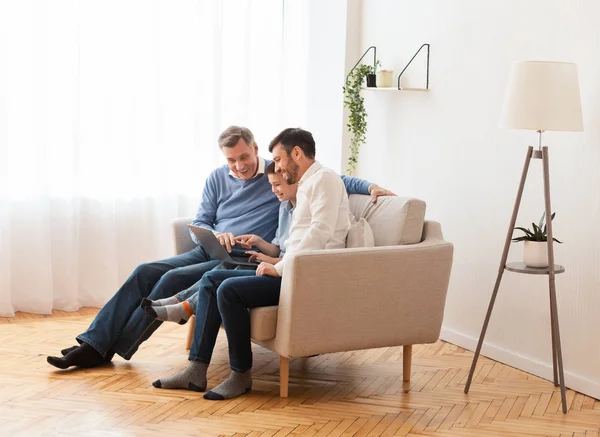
292, 173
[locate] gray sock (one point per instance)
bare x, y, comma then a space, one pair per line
237, 384
162, 302
193, 377
178, 313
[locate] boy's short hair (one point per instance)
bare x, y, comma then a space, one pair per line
270, 169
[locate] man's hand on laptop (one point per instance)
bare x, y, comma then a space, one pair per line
227, 240
248, 241
257, 256
266, 269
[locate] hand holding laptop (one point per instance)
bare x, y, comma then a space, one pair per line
213, 246
227, 240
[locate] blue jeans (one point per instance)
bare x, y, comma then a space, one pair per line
225, 296
192, 291
122, 325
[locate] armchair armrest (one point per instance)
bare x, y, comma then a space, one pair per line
181, 235
350, 299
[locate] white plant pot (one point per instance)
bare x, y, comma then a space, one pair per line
384, 78
535, 253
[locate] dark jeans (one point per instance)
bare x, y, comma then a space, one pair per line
122, 325
192, 291
225, 296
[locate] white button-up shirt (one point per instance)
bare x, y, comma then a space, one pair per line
321, 218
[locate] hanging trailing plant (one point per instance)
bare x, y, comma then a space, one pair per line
357, 122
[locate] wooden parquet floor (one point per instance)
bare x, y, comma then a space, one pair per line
344, 394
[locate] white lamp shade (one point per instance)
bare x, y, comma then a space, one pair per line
543, 96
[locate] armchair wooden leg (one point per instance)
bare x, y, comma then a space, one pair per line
406, 362
190, 336
284, 376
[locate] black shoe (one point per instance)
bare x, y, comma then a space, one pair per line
67, 350
83, 355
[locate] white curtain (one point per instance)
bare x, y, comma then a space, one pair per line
109, 114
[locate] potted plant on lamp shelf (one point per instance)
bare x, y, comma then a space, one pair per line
535, 250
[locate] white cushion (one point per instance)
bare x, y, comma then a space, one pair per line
360, 235
393, 220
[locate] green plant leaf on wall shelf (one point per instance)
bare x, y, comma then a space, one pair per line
357, 121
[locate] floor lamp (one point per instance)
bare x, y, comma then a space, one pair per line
540, 96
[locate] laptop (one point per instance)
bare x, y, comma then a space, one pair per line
213, 248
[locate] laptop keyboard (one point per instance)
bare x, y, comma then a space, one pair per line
242, 259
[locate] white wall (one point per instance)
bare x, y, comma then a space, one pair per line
445, 147
354, 50
325, 78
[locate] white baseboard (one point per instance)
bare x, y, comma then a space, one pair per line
527, 364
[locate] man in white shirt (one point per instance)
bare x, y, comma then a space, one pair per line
321, 221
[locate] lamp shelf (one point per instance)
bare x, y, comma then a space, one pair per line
519, 267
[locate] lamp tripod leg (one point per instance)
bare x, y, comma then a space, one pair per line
554, 357
501, 268
556, 347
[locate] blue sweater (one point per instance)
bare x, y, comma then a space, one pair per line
247, 206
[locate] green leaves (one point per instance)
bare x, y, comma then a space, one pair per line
544, 218
538, 233
527, 232
357, 122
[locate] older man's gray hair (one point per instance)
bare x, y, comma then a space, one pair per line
232, 135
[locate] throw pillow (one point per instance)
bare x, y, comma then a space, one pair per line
360, 235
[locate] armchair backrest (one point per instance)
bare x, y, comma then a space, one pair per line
181, 235
394, 220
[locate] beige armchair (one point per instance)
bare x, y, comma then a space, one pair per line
361, 298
